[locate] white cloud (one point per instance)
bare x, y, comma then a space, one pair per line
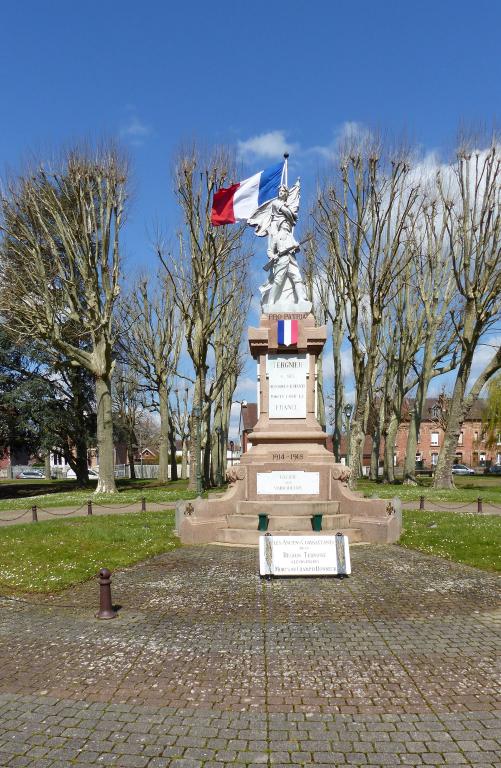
349, 132
135, 130
266, 145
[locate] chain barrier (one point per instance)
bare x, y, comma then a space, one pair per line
17, 517
491, 504
61, 514
449, 508
115, 506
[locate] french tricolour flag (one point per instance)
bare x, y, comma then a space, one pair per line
287, 332
240, 201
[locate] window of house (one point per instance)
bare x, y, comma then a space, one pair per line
434, 459
498, 440
418, 437
458, 459
435, 411
460, 440
475, 436
434, 438
482, 457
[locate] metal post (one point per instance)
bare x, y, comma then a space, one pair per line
143, 504
89, 507
421, 503
34, 515
105, 605
348, 410
479, 505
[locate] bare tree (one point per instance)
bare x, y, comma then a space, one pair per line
200, 273
364, 220
472, 198
151, 339
60, 262
328, 295
228, 366
127, 407
181, 420
320, 295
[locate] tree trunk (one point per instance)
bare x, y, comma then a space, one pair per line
132, 467
207, 446
320, 393
337, 336
415, 421
106, 482
81, 465
184, 459
196, 432
47, 466
173, 458
375, 457
163, 446
389, 450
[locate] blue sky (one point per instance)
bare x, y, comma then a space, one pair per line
263, 76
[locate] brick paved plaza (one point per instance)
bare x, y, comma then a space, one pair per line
208, 666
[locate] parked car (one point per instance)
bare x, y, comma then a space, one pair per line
494, 470
462, 469
71, 475
31, 474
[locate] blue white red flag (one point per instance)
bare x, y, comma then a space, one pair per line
240, 201
287, 332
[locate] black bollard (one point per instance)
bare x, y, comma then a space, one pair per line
34, 515
479, 505
421, 503
143, 504
105, 606
89, 507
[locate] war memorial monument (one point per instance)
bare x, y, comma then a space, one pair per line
288, 483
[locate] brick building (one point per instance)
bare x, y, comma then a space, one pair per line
471, 448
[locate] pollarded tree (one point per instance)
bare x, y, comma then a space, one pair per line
201, 272
363, 219
60, 265
472, 196
150, 342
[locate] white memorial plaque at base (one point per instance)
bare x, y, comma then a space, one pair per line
288, 482
304, 555
287, 386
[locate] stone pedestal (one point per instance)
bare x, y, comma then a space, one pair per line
288, 474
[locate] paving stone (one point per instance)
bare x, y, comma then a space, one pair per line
209, 667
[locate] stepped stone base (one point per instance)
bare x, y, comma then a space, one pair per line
233, 518
288, 454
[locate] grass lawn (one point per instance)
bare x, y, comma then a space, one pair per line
53, 555
463, 537
22, 494
467, 489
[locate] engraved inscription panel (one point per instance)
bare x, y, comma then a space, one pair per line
287, 386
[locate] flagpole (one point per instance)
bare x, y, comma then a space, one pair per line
286, 158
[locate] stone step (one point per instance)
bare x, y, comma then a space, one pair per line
288, 522
288, 507
249, 538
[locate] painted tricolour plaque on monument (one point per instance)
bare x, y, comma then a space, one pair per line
288, 482
304, 555
287, 386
